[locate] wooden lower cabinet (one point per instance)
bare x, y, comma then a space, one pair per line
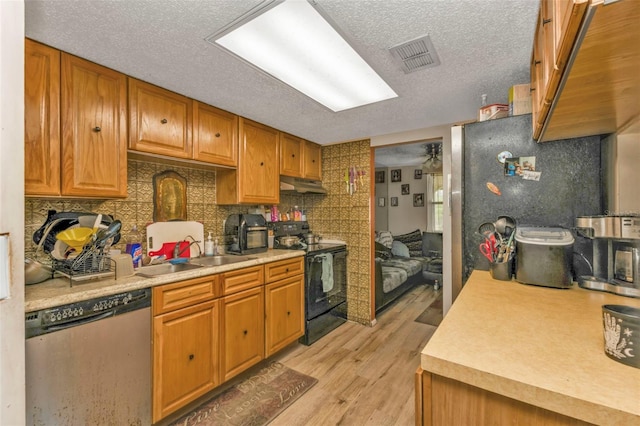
284, 312
185, 356
242, 331
444, 401
208, 330
186, 343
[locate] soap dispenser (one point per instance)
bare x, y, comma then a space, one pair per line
208, 246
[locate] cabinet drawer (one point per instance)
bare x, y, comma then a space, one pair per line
170, 297
242, 279
283, 269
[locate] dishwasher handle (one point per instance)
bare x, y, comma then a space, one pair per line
80, 321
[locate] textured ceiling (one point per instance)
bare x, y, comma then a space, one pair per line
484, 47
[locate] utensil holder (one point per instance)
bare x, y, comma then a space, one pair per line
501, 271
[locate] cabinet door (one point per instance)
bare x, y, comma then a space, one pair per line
312, 161
258, 164
94, 129
159, 120
242, 331
185, 356
41, 119
284, 313
567, 16
291, 161
215, 135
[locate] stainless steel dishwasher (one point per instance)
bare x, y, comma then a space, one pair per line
89, 363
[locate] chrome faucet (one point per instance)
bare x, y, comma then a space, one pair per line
177, 252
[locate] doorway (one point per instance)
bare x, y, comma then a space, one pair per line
407, 209
408, 187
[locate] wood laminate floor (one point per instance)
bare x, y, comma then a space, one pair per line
365, 374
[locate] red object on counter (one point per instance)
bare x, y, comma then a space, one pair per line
167, 250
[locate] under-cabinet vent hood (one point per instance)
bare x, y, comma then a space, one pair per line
303, 186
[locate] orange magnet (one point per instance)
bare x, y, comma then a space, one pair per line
491, 187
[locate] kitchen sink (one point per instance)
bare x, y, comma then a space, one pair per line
219, 260
165, 268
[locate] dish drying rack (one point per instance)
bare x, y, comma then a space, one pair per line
91, 263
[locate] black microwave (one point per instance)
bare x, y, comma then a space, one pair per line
246, 234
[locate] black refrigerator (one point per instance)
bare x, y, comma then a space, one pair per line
569, 182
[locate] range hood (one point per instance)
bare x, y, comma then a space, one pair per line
303, 186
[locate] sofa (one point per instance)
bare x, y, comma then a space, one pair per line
403, 261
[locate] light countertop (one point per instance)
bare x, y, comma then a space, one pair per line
58, 291
538, 345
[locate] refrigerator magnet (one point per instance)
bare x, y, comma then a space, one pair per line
493, 188
503, 156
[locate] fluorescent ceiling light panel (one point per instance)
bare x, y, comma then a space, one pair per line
295, 44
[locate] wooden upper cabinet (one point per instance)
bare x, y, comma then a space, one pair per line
595, 85
300, 158
566, 19
291, 158
258, 163
312, 161
215, 135
41, 119
257, 178
94, 129
159, 120
555, 38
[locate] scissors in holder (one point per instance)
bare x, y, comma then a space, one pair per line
487, 250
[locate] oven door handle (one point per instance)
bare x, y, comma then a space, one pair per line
317, 258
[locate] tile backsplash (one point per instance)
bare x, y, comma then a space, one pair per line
336, 215
137, 208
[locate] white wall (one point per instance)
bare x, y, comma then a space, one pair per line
381, 191
405, 217
12, 387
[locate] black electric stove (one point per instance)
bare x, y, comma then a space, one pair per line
325, 276
299, 229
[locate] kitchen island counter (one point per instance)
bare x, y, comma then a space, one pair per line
541, 346
58, 291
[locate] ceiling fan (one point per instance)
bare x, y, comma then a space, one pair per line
433, 162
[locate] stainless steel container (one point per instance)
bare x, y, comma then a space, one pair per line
544, 256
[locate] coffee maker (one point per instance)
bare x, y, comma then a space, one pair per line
616, 253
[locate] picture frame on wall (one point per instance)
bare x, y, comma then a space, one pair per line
418, 200
394, 201
381, 202
396, 175
405, 189
417, 174
380, 176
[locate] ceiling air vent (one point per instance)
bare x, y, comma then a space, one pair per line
416, 54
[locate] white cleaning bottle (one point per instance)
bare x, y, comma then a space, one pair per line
208, 246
